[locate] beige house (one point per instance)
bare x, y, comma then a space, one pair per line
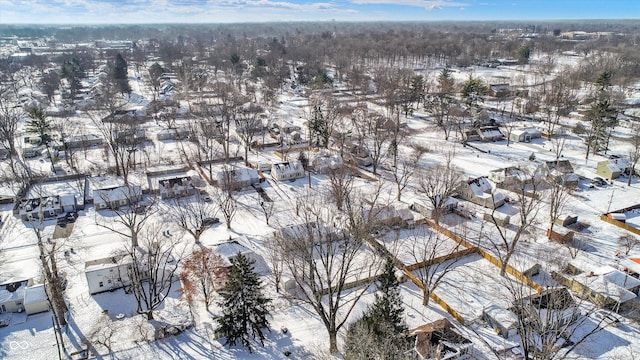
608, 170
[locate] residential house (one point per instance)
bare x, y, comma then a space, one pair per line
172, 134
483, 133
12, 296
228, 250
324, 163
499, 90
83, 141
562, 172
608, 169
552, 304
116, 197
509, 177
440, 340
36, 208
606, 286
287, 170
360, 155
426, 208
176, 187
524, 135
388, 215
107, 274
237, 178
481, 192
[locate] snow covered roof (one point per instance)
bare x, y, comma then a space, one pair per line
609, 282
632, 263
35, 294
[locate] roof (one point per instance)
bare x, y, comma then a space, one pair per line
35, 294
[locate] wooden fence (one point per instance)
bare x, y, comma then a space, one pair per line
620, 224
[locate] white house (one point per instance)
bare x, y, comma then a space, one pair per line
107, 274
287, 170
12, 296
116, 197
524, 135
237, 178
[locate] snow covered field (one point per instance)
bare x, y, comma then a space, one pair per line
473, 285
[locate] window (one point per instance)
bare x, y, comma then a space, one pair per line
101, 284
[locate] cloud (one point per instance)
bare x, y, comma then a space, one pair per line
429, 4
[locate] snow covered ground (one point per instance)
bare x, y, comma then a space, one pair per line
473, 285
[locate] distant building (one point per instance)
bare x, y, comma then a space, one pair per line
425, 207
499, 90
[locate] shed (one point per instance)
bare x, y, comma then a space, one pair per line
35, 299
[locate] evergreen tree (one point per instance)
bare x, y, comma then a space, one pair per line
244, 307
119, 74
378, 334
318, 128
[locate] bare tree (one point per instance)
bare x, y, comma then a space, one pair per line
628, 242
267, 207
440, 101
432, 259
634, 153
527, 200
340, 185
48, 252
553, 323
9, 120
191, 216
120, 131
558, 194
439, 182
154, 263
322, 259
248, 125
131, 213
223, 196
203, 273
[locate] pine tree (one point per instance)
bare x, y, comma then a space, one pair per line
244, 307
120, 74
387, 310
378, 333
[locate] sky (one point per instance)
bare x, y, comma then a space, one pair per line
238, 11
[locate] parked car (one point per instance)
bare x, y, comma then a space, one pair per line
598, 181
210, 221
205, 196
